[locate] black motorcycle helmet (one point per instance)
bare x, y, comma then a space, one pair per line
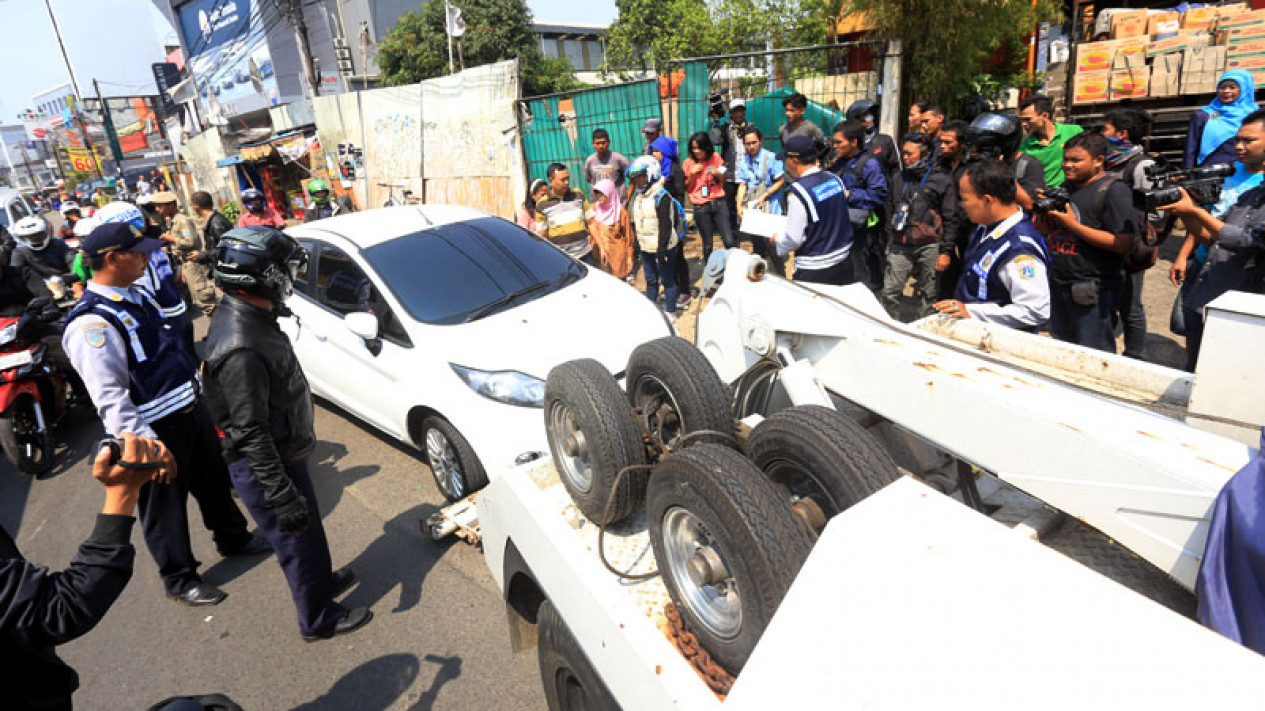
861, 107
260, 261
994, 135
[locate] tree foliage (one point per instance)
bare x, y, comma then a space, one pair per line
496, 30
650, 33
948, 44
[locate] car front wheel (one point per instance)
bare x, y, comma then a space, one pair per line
456, 468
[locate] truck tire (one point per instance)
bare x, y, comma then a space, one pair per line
456, 468
814, 452
593, 436
571, 683
727, 545
676, 391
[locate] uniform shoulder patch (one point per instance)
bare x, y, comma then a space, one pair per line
94, 334
1027, 266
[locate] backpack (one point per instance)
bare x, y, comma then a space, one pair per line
1144, 249
679, 224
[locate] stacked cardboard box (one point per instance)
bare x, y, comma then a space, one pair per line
1201, 67
1163, 53
1166, 75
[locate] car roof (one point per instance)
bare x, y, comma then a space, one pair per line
368, 228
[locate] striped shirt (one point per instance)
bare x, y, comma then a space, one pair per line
563, 221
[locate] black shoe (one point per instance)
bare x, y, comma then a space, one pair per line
340, 581
201, 594
354, 619
252, 547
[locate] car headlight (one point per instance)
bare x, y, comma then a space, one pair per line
508, 386
8, 333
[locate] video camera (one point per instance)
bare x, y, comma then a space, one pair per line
1055, 199
1202, 184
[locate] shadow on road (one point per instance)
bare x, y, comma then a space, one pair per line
329, 480
401, 557
74, 438
449, 669
372, 686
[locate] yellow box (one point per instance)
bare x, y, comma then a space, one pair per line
1156, 19
1186, 39
1253, 63
1091, 87
1242, 19
1130, 53
1095, 56
1199, 18
1129, 85
1238, 34
1128, 24
1246, 47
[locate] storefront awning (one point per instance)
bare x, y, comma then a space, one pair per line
226, 162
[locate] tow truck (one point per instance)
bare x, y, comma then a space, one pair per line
944, 514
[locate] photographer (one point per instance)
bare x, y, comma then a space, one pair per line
923, 209
1088, 234
40, 609
1235, 256
1125, 129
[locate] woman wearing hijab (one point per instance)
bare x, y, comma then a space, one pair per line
610, 231
1210, 138
527, 210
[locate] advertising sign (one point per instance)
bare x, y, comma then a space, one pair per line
227, 42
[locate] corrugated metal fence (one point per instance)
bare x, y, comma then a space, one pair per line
558, 128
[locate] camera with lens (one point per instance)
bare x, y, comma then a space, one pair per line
1055, 199
1202, 184
718, 104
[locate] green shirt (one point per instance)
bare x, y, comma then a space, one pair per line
1051, 156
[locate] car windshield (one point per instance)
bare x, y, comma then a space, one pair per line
464, 271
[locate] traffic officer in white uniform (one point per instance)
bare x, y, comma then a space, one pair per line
1004, 272
144, 380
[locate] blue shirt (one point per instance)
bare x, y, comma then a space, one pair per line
759, 173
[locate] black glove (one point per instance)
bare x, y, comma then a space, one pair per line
292, 513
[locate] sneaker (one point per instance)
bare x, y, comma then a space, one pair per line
684, 300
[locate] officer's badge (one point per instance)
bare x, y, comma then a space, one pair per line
94, 334
1027, 266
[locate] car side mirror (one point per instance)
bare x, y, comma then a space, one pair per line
365, 325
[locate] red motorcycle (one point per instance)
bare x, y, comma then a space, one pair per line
32, 399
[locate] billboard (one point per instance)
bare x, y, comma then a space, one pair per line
228, 52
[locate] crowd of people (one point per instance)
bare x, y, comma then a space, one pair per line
1013, 218
237, 417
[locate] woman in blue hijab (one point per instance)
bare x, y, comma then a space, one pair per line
1210, 138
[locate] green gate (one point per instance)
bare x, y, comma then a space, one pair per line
558, 128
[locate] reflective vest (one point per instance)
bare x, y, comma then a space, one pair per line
162, 373
992, 247
828, 235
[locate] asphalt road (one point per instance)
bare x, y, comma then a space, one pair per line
438, 639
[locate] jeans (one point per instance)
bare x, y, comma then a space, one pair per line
713, 217
1088, 325
662, 268
904, 260
1133, 316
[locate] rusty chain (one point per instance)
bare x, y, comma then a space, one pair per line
714, 675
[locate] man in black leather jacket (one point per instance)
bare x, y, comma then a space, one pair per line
260, 399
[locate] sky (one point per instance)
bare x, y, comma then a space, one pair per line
34, 63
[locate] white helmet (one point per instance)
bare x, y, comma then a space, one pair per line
645, 165
31, 232
68, 206
119, 211
86, 225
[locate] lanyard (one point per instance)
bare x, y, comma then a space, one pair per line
926, 174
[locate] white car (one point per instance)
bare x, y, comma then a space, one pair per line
438, 325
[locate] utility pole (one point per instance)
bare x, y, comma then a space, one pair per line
448, 31
295, 18
8, 161
26, 160
48, 4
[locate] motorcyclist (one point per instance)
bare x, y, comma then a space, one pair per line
321, 206
70, 215
24, 296
37, 249
997, 136
257, 211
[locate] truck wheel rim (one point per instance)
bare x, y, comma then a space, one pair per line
799, 483
444, 464
570, 445
658, 409
717, 604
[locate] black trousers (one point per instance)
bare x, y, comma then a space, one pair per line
200, 470
840, 274
304, 558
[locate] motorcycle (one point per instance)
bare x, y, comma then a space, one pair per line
33, 398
